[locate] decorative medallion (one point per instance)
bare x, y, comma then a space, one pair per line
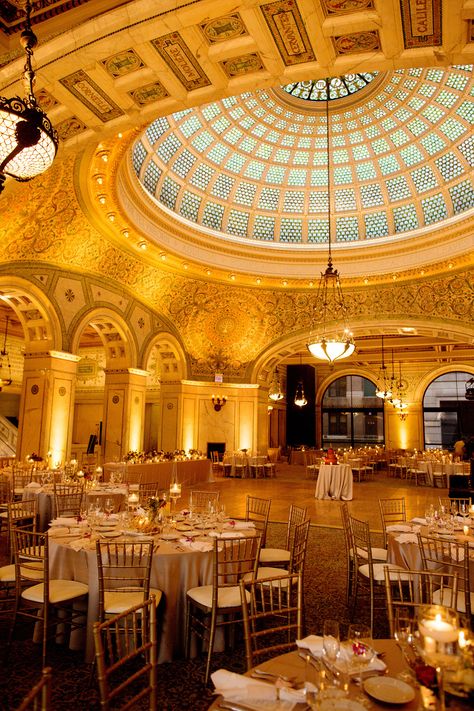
70, 127
69, 295
62, 391
223, 28
357, 42
340, 7
245, 64
45, 100
115, 399
149, 93
170, 406
122, 63
421, 21
141, 322
181, 61
91, 95
34, 389
288, 30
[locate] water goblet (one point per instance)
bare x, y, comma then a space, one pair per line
108, 506
314, 682
331, 640
361, 650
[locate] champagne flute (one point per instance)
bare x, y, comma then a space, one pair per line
361, 649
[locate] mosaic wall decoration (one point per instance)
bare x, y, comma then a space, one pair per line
223, 28
357, 42
242, 65
70, 127
181, 61
288, 30
340, 7
421, 23
122, 63
148, 94
91, 95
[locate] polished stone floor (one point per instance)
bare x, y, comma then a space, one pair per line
292, 486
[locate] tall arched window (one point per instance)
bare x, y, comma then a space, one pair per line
351, 413
446, 412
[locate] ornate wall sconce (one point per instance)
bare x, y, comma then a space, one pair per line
218, 402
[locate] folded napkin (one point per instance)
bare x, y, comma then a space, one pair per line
226, 534
255, 693
314, 644
420, 521
203, 546
58, 531
239, 525
400, 527
64, 521
33, 485
407, 538
79, 544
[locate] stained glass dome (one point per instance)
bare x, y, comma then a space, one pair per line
254, 166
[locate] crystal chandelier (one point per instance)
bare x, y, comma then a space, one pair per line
300, 399
275, 392
329, 299
28, 142
398, 393
384, 392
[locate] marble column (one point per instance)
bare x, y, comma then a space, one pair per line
47, 404
124, 412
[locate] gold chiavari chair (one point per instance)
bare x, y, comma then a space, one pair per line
126, 653
281, 556
258, 511
19, 513
39, 698
218, 605
203, 501
147, 490
272, 613
392, 511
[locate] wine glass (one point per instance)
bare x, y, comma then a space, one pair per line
108, 506
331, 640
314, 682
361, 650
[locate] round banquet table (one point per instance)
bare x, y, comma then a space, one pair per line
293, 665
334, 482
408, 555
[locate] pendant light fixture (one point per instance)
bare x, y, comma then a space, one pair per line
5, 365
275, 392
329, 298
300, 399
28, 141
384, 392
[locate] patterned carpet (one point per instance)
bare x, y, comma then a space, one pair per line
181, 682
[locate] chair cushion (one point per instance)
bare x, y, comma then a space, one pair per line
59, 591
378, 554
443, 597
379, 575
227, 597
117, 601
274, 555
7, 574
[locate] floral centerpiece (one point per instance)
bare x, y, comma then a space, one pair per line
149, 519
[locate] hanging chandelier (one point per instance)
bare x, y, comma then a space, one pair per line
329, 298
396, 398
384, 392
5, 365
28, 141
275, 392
300, 399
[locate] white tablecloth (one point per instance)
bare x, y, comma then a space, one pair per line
334, 482
189, 472
173, 572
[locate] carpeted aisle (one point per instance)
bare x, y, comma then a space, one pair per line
180, 683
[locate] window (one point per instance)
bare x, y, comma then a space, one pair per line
351, 413
446, 412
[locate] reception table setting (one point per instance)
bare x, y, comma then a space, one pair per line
182, 559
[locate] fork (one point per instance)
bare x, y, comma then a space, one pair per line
262, 673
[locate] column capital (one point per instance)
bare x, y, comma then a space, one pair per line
58, 355
126, 371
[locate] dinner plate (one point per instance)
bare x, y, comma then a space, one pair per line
389, 690
183, 527
111, 534
169, 536
338, 704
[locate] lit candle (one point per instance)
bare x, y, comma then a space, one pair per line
438, 630
175, 489
465, 530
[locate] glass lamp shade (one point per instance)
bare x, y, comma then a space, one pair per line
5, 371
28, 142
300, 399
276, 394
332, 349
384, 394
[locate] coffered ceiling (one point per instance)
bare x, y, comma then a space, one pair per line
107, 65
